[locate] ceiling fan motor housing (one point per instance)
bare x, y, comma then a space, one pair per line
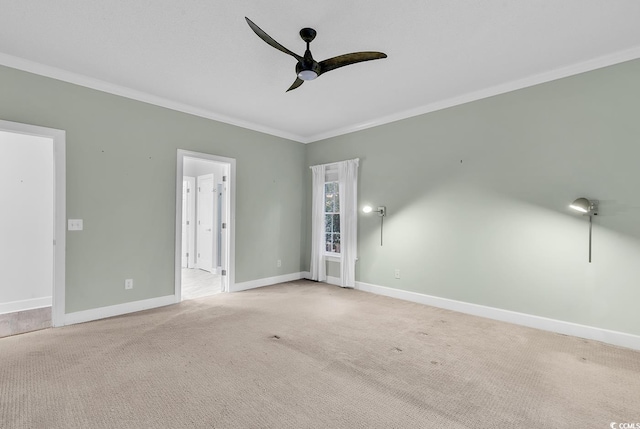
307, 65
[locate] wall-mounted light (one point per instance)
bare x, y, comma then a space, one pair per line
586, 207
382, 212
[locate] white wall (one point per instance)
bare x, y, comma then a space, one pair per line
26, 221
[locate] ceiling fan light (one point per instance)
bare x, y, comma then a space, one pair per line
582, 205
307, 75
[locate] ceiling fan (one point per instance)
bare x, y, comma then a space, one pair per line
307, 68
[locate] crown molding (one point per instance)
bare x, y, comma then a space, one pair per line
123, 91
586, 66
100, 85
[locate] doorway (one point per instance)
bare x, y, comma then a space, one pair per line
32, 183
204, 224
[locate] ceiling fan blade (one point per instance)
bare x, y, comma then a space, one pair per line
264, 36
295, 84
348, 59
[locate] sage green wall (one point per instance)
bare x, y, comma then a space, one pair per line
477, 198
121, 166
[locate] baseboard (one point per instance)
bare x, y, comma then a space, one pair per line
330, 280
27, 304
268, 281
558, 326
117, 310
334, 281
132, 307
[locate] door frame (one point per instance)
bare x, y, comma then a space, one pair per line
59, 210
228, 281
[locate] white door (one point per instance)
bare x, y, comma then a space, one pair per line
205, 228
224, 231
188, 222
219, 221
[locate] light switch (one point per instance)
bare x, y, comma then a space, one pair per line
75, 225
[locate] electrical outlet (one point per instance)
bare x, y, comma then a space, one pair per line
75, 225
279, 263
128, 284
397, 273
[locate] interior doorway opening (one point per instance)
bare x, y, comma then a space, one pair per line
203, 233
32, 227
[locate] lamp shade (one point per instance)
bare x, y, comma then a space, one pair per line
583, 205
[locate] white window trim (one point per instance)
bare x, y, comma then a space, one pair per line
333, 257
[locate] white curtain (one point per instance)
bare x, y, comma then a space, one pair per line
318, 269
348, 182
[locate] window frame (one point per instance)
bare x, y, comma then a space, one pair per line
329, 255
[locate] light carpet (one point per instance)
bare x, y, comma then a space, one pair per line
308, 355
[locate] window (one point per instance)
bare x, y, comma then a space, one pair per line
332, 217
334, 220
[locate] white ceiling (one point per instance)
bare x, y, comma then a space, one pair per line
201, 56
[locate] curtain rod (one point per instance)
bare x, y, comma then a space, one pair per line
335, 163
